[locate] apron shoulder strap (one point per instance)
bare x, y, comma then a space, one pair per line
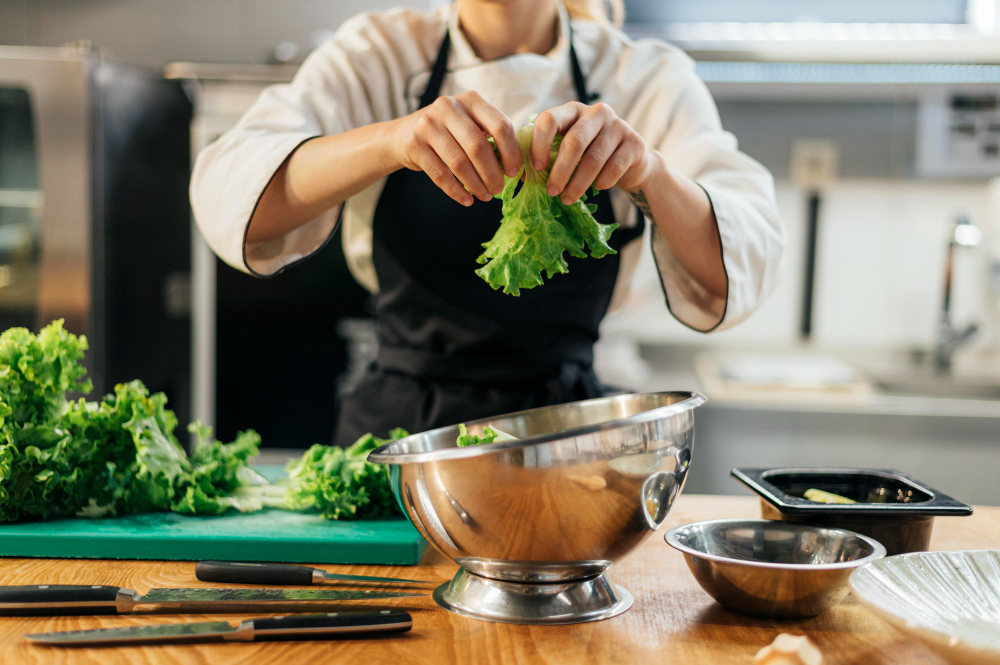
579, 81
440, 68
438, 71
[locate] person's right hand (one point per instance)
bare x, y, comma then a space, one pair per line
447, 141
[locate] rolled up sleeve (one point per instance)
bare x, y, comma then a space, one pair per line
327, 96
741, 192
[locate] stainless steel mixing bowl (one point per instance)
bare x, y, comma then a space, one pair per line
773, 569
535, 523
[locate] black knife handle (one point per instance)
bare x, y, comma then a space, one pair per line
58, 600
254, 573
334, 624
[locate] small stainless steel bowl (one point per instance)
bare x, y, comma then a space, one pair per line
773, 569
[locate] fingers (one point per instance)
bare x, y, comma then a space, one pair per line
478, 151
601, 149
466, 129
475, 163
621, 160
428, 161
598, 148
575, 141
454, 155
499, 126
448, 141
547, 125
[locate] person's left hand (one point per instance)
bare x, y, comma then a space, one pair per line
598, 145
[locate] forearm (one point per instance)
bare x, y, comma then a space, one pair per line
682, 214
319, 175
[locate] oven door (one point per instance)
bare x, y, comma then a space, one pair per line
45, 188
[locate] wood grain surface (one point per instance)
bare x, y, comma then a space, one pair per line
672, 621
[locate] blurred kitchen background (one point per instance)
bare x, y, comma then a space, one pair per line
880, 120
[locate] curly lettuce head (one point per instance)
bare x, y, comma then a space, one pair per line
119, 454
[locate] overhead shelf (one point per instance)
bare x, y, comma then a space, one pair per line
715, 71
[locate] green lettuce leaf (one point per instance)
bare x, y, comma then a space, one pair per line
489, 435
340, 483
537, 229
36, 371
217, 471
222, 467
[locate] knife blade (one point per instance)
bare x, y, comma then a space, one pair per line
64, 599
294, 627
283, 573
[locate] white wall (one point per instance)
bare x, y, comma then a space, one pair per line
879, 273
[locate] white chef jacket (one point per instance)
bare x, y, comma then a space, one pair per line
376, 66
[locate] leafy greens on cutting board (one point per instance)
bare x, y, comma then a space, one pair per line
91, 458
537, 229
120, 455
339, 482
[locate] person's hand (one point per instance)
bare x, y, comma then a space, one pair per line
597, 148
447, 141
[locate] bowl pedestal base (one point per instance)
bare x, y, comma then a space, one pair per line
576, 601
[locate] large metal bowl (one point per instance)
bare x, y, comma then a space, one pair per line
534, 523
773, 569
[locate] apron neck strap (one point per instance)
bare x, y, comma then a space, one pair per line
579, 80
437, 72
440, 68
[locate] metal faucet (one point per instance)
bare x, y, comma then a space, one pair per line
964, 234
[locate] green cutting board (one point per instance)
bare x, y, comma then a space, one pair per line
271, 535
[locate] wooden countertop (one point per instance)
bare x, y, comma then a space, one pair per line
672, 621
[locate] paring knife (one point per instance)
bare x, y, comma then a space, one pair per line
282, 573
294, 627
64, 599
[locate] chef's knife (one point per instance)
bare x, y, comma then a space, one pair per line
282, 574
294, 627
63, 599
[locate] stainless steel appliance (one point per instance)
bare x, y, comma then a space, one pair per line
94, 217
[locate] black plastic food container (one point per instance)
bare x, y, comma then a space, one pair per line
894, 509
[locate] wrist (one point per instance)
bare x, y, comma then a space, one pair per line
386, 145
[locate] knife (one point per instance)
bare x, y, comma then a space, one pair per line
294, 627
63, 599
281, 573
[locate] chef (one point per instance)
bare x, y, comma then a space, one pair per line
382, 134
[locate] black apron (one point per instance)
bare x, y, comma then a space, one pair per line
452, 349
